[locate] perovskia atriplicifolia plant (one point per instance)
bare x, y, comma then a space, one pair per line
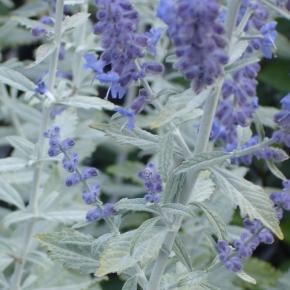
166, 92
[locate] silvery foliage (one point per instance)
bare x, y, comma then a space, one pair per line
167, 245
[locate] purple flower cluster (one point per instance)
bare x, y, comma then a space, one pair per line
117, 24
70, 162
198, 39
233, 255
238, 105
239, 102
282, 118
268, 153
152, 183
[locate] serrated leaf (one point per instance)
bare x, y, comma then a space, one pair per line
15, 79
115, 256
137, 137
10, 195
202, 161
21, 144
30, 23
12, 164
75, 20
70, 248
251, 199
203, 189
85, 102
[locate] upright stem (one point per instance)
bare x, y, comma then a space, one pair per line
33, 203
201, 145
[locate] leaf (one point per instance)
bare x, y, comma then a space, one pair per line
202, 161
244, 134
21, 144
244, 276
18, 216
42, 53
282, 12
139, 138
131, 284
66, 216
178, 208
214, 219
136, 204
251, 199
15, 79
149, 245
74, 2
182, 253
266, 116
10, 195
30, 23
12, 164
24, 111
87, 103
115, 256
275, 170
70, 248
165, 155
74, 21
204, 187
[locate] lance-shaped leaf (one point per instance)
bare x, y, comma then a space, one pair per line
251, 199
21, 144
86, 102
75, 20
42, 53
70, 248
12, 164
10, 195
15, 79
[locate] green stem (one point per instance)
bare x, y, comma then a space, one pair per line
33, 203
201, 145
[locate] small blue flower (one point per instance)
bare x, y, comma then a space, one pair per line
94, 214
93, 63
41, 87
129, 114
152, 183
89, 172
